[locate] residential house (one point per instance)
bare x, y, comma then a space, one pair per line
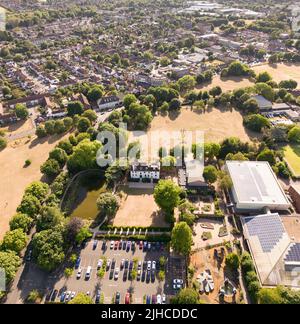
109, 102
144, 172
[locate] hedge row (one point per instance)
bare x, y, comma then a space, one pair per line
153, 238
137, 228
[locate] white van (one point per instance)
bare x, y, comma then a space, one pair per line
88, 272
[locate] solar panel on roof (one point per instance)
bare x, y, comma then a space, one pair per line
293, 254
268, 229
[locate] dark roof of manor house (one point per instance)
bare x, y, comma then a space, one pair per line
145, 167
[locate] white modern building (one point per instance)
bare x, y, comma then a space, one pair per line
110, 102
141, 171
255, 186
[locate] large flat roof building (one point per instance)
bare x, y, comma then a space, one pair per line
255, 186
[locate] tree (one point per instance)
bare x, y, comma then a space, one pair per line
84, 156
174, 104
3, 143
288, 84
294, 135
232, 261
38, 189
30, 205
59, 127
250, 106
224, 181
14, 240
91, 115
21, 111
199, 105
41, 131
95, 93
75, 108
51, 168
168, 163
166, 195
210, 174
128, 100
49, 218
10, 262
68, 122
265, 90
83, 124
267, 155
59, 155
81, 298
215, 91
83, 234
73, 227
22, 221
181, 238
115, 172
187, 296
256, 122
263, 77
211, 150
48, 248
33, 296
49, 127
269, 296
107, 204
138, 116
186, 83
66, 146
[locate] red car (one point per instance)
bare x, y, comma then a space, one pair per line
141, 245
127, 299
116, 245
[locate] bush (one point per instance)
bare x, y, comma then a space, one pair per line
232, 261
3, 143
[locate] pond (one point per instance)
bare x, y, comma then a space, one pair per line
86, 195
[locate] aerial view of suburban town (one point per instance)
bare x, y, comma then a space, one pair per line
149, 152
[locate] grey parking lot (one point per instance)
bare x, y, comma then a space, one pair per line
109, 285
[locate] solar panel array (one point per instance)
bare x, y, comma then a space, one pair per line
268, 229
293, 254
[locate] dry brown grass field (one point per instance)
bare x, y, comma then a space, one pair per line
15, 177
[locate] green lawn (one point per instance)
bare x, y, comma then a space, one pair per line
292, 156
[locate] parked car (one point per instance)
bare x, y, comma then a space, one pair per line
48, 296
139, 274
88, 272
122, 264
73, 293
120, 245
163, 299
139, 265
116, 245
54, 295
149, 246
104, 246
178, 281
118, 298
79, 272
132, 246
108, 262
130, 265
125, 275
112, 243
141, 245
154, 300
153, 265
148, 300
62, 297
113, 263
98, 296
99, 264
152, 276
159, 300
117, 271
77, 263
144, 265
149, 264
124, 245
126, 264
95, 243
145, 246
128, 246
127, 299
68, 296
